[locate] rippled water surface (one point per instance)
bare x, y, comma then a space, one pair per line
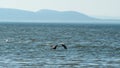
89, 46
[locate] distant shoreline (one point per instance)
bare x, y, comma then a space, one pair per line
54, 22
94, 22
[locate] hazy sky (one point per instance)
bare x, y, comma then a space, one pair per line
100, 8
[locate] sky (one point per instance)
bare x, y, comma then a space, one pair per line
97, 8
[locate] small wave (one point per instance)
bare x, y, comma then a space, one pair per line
9, 63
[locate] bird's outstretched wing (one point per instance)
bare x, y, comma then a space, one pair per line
65, 47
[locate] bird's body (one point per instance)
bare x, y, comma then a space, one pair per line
54, 47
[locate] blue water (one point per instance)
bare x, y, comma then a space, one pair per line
89, 45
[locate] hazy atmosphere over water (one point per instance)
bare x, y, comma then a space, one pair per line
108, 9
31, 33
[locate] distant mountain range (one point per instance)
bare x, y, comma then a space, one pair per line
43, 16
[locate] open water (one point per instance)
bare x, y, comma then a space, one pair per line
89, 45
